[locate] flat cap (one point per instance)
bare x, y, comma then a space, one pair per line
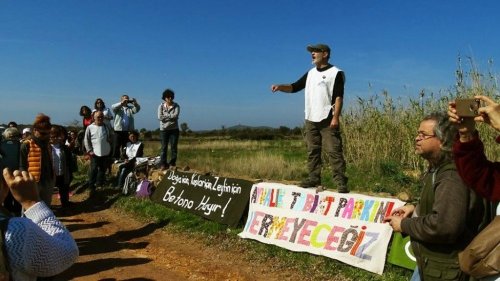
318, 47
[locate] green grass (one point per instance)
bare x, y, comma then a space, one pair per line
184, 221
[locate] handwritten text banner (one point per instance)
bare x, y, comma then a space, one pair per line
346, 227
216, 198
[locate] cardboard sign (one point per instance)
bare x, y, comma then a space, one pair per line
216, 198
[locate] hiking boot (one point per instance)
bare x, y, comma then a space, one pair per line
309, 183
343, 189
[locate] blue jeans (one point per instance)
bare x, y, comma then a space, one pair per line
416, 275
169, 137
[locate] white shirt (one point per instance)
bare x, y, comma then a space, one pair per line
38, 244
131, 149
56, 160
97, 140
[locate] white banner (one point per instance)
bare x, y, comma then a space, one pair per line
347, 227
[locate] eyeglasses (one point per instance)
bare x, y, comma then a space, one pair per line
424, 136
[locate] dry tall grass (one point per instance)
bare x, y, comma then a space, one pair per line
379, 129
240, 158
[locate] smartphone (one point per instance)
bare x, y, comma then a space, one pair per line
468, 107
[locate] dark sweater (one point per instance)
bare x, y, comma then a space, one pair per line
477, 172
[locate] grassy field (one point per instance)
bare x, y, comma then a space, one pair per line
378, 135
283, 161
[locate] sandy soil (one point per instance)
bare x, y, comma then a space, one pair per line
115, 246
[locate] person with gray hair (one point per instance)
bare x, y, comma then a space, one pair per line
124, 121
97, 142
444, 131
443, 222
323, 87
11, 133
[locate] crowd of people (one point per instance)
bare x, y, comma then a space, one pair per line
44, 157
107, 135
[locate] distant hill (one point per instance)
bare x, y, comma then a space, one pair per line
238, 128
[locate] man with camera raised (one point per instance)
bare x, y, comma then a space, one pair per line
124, 121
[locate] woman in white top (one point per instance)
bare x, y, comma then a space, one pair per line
108, 115
133, 149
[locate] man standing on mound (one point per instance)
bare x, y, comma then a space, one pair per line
324, 93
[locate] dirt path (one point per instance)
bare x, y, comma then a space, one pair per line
114, 246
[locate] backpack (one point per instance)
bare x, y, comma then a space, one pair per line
144, 189
130, 184
481, 257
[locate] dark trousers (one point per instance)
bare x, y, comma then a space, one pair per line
120, 143
169, 137
98, 166
319, 135
63, 190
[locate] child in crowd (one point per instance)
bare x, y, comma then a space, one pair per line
144, 186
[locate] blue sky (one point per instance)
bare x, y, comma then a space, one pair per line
220, 57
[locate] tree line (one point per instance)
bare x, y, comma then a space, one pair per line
240, 132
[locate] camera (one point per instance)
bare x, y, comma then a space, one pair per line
468, 107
